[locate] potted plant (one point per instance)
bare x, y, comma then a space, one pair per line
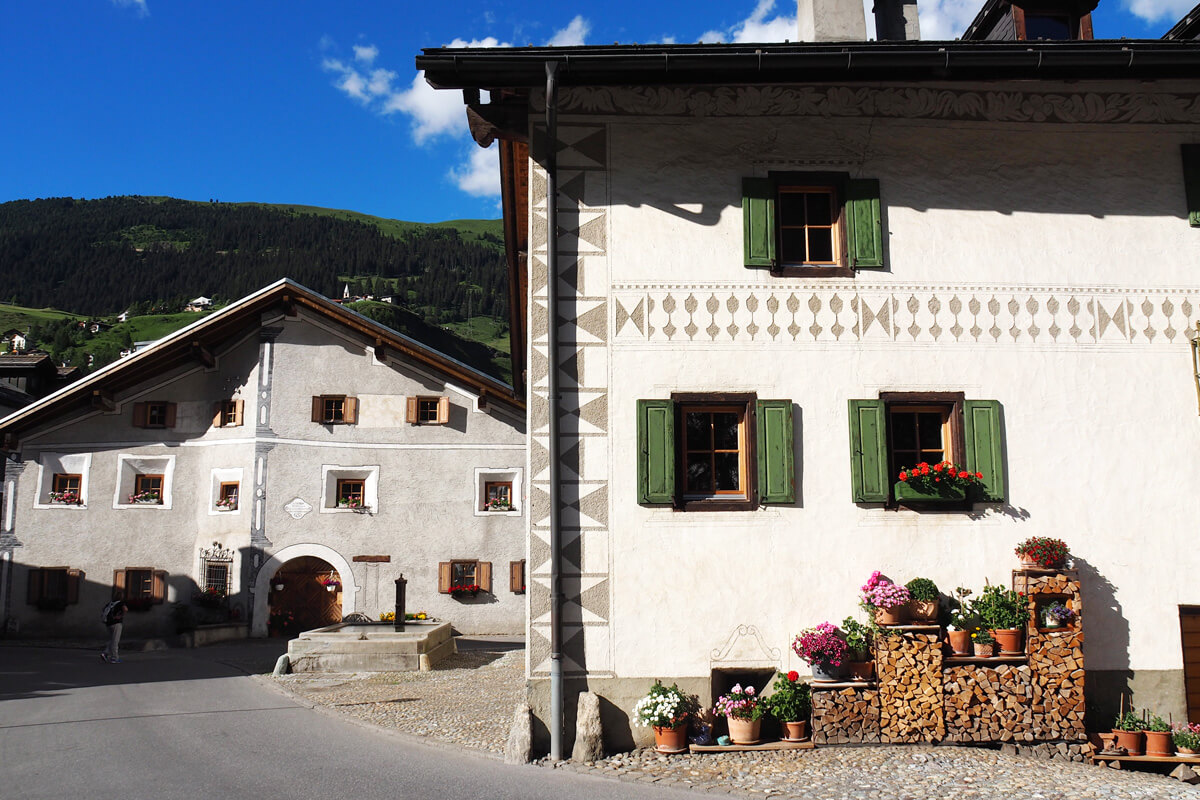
1057, 615
743, 710
666, 710
212, 597
962, 622
354, 503
70, 497
1186, 739
1158, 737
1042, 552
497, 504
985, 645
227, 503
790, 703
150, 496
943, 482
884, 600
923, 599
1128, 728
464, 590
1005, 612
823, 649
331, 583
859, 662
278, 583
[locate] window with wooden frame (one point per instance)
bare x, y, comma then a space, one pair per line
227, 414
143, 586
899, 430
350, 493
427, 410
463, 573
718, 452
498, 496
147, 489
516, 576
227, 498
154, 414
812, 224
335, 409
67, 488
53, 588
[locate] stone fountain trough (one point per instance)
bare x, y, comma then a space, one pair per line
371, 647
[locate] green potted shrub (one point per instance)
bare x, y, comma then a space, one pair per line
984, 644
790, 702
1158, 737
859, 661
666, 710
961, 622
923, 600
1006, 613
1128, 728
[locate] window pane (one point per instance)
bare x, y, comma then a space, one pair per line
791, 209
1041, 27
820, 244
699, 431
904, 431
463, 573
791, 245
728, 473
699, 473
725, 431
930, 427
820, 211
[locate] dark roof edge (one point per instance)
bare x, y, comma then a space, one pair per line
1187, 28
614, 65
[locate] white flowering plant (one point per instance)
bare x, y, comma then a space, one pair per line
663, 707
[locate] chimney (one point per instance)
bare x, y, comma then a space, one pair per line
896, 21
831, 21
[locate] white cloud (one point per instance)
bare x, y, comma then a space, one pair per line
757, 27
572, 35
479, 174
943, 19
434, 112
489, 41
140, 5
1155, 10
365, 54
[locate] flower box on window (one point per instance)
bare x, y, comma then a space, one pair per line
67, 498
944, 482
227, 504
148, 497
464, 590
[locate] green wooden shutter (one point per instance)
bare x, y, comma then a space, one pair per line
868, 451
776, 470
656, 451
984, 451
758, 221
1191, 182
864, 224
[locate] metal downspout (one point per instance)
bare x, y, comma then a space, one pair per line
556, 597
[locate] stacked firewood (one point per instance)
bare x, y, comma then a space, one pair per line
909, 665
845, 716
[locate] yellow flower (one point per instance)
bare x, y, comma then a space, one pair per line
973, 635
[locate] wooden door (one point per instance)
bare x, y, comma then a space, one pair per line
304, 603
1189, 625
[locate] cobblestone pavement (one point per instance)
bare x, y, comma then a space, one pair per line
468, 701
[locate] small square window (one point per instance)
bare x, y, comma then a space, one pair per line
497, 496
67, 489
139, 585
427, 409
228, 497
350, 493
156, 415
216, 577
228, 414
333, 409
463, 573
147, 489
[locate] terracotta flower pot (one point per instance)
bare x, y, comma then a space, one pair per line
985, 650
1009, 640
795, 731
1184, 751
896, 615
1131, 741
960, 642
923, 610
1159, 743
744, 731
861, 670
671, 740
1029, 562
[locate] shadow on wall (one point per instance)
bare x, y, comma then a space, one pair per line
1102, 612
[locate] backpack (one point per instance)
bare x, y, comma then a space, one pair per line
108, 615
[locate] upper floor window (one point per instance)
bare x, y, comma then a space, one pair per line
335, 409
156, 414
147, 489
227, 499
498, 496
428, 410
816, 224
227, 414
350, 493
67, 489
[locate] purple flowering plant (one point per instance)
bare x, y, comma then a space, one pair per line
820, 645
739, 703
879, 592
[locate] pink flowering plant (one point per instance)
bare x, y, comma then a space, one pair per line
879, 592
820, 645
739, 703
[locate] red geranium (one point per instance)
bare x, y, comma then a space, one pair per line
945, 475
793, 675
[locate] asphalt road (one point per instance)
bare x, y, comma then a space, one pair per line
189, 724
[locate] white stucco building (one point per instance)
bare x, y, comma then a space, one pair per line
276, 446
782, 266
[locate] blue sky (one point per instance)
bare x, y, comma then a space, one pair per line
318, 103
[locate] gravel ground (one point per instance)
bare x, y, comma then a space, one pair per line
468, 701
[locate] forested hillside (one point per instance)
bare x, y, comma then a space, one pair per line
98, 257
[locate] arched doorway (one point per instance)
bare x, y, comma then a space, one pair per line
305, 601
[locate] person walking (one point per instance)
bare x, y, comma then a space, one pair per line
114, 617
